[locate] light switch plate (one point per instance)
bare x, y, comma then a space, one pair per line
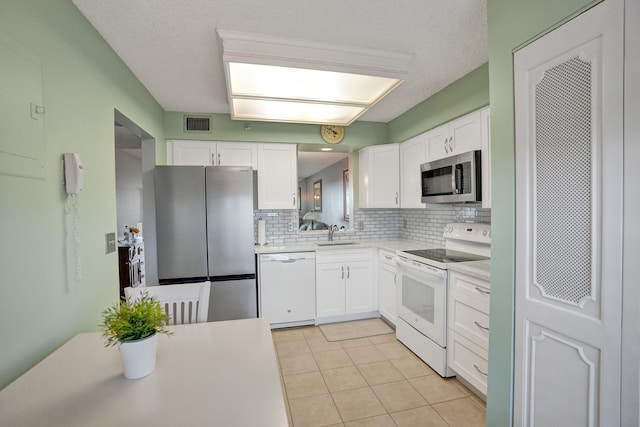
110, 242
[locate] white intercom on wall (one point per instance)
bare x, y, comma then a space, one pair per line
73, 173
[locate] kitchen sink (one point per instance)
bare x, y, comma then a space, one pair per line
337, 243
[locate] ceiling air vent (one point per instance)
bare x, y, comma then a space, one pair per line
197, 124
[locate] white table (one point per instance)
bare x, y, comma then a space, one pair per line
207, 374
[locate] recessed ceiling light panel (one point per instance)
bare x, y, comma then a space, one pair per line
268, 81
294, 112
277, 79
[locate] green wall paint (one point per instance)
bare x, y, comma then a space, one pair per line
358, 134
84, 81
465, 95
511, 24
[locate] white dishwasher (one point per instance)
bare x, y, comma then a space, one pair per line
287, 284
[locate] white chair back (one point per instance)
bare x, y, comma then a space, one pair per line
184, 303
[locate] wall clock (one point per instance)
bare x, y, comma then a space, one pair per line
332, 134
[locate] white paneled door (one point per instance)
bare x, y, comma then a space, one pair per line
569, 104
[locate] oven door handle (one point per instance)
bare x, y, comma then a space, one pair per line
423, 268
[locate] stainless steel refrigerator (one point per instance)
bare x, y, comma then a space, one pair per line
204, 226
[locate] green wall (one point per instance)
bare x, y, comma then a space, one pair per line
42, 306
466, 94
511, 24
357, 135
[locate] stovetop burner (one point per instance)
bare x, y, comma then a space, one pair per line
446, 255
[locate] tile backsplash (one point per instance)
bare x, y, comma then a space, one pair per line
423, 225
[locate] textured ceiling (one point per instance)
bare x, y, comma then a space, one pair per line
171, 46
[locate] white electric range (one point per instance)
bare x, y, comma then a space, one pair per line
422, 307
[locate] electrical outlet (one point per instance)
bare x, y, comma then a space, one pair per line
404, 223
360, 225
110, 243
291, 224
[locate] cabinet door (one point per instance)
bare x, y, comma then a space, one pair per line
387, 290
330, 289
413, 153
194, 153
361, 291
438, 143
485, 126
238, 154
386, 176
277, 176
465, 134
380, 176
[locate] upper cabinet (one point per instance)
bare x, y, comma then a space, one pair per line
379, 177
458, 136
413, 153
212, 153
277, 176
485, 125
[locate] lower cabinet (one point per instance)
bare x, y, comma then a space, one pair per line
345, 284
387, 285
468, 320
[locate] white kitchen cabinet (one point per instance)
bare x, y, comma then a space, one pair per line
456, 137
345, 285
277, 176
360, 295
330, 289
287, 283
212, 153
485, 126
413, 153
379, 177
468, 322
387, 285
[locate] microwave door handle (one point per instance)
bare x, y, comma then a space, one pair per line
457, 179
454, 181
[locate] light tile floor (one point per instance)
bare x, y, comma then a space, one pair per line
367, 382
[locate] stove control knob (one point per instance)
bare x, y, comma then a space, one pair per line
484, 232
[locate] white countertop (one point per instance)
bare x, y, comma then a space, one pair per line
390, 245
214, 374
479, 269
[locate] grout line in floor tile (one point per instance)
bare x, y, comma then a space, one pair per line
458, 385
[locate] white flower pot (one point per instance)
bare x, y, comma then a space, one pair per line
139, 357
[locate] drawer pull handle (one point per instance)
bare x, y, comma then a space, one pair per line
475, 322
482, 291
480, 370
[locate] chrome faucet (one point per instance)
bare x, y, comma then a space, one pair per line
332, 229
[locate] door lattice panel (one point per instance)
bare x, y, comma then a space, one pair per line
563, 181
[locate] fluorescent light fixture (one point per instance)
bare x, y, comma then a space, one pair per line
278, 79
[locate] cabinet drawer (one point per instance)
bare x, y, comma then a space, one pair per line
462, 284
466, 318
342, 255
469, 361
387, 257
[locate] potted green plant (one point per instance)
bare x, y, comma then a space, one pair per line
135, 326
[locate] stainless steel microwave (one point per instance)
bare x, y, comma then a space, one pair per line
454, 179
